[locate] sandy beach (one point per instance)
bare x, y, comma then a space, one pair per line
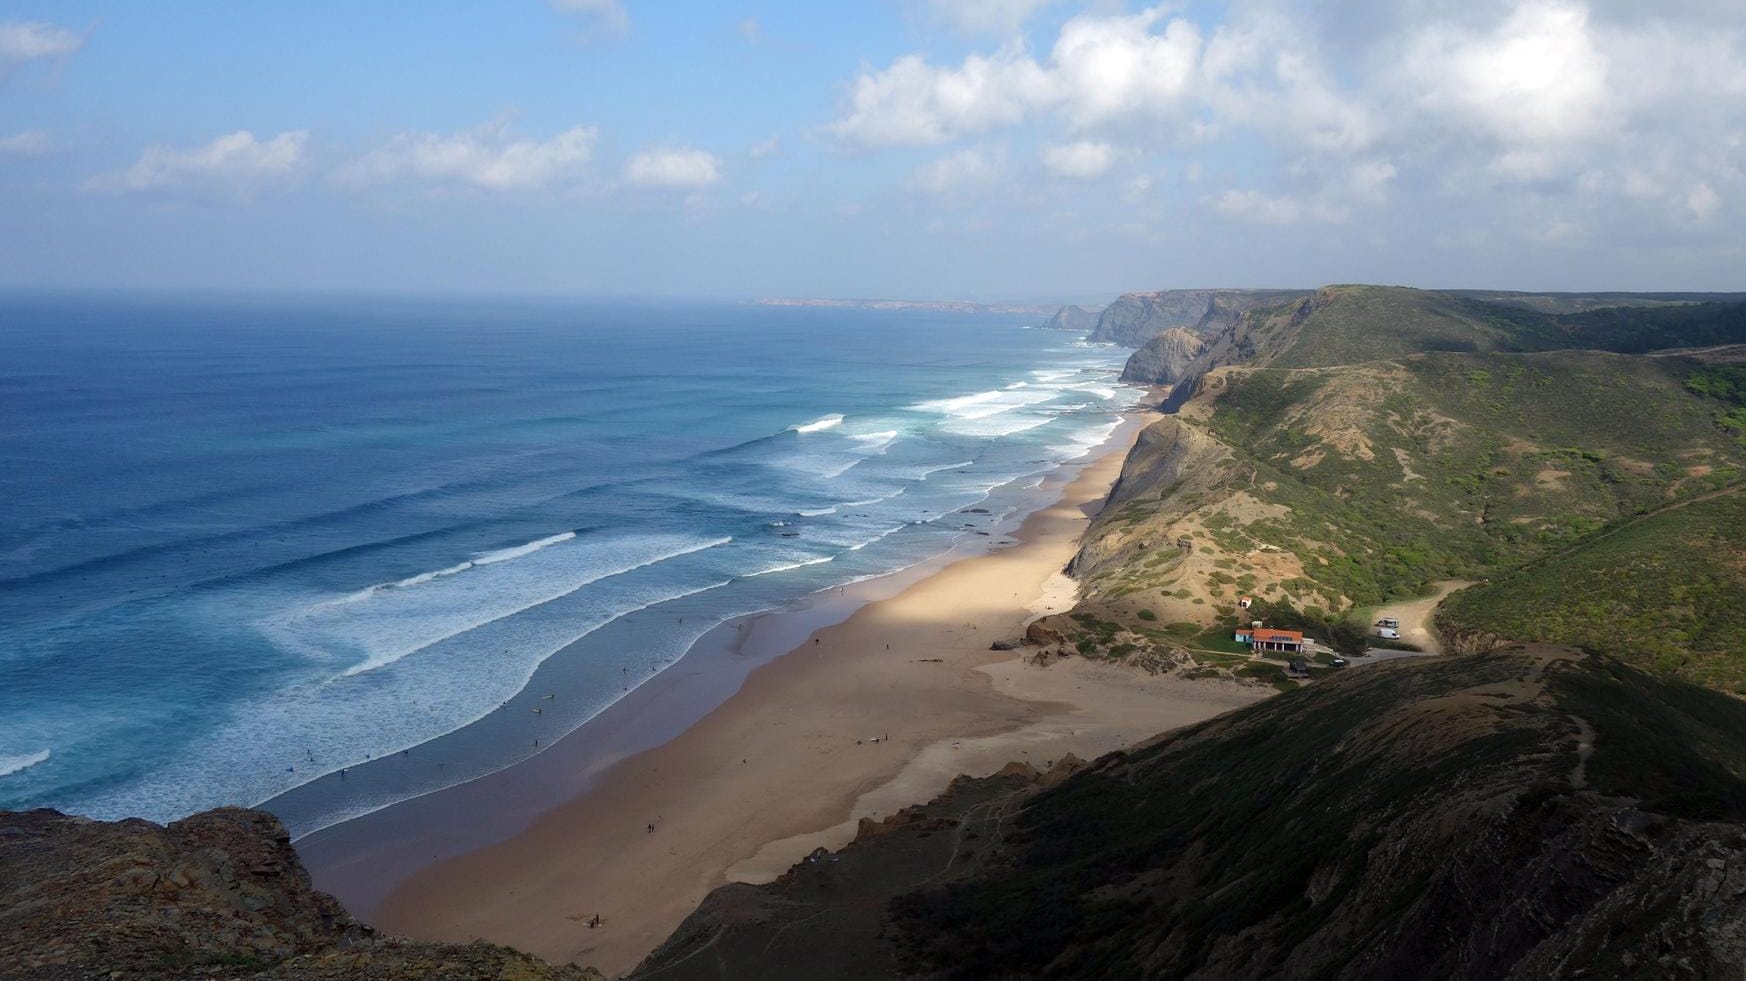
863, 718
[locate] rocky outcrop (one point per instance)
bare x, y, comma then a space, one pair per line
218, 895
1076, 319
1530, 813
1135, 318
1165, 359
1251, 338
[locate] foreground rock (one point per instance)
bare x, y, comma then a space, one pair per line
218, 895
1532, 813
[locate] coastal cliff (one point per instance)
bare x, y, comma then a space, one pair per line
217, 895
1073, 318
1165, 359
1135, 318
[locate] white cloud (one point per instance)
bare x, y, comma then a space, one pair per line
958, 172
1269, 209
677, 168
1101, 69
237, 164
751, 30
609, 15
1538, 77
22, 41
1258, 75
1108, 67
1370, 180
913, 103
1703, 202
486, 159
765, 148
1083, 160
27, 143
1003, 17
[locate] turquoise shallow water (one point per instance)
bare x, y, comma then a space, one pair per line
247, 541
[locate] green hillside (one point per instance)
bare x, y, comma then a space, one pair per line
1460, 465
1345, 486
1667, 590
1355, 324
1522, 814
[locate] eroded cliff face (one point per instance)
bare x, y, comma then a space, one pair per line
220, 894
1135, 318
1073, 318
1165, 359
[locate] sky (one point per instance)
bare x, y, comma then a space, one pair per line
924, 149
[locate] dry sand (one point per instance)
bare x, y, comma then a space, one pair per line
801, 752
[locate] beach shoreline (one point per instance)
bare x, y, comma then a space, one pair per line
881, 699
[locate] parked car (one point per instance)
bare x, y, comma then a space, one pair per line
1338, 661
1389, 622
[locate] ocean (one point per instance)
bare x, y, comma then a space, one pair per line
247, 541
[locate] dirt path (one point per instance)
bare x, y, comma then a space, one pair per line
1415, 616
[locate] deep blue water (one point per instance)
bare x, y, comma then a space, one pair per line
246, 541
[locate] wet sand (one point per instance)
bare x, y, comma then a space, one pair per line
863, 717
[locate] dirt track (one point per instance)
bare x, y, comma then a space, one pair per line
1415, 616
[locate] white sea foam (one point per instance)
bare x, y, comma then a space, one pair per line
887, 533
1051, 375
450, 685
984, 404
876, 442
930, 471
993, 414
488, 558
504, 555
785, 566
1101, 391
831, 473
13, 764
817, 512
872, 500
1004, 424
819, 425
394, 623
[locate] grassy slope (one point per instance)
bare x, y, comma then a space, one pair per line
1668, 591
1354, 324
1350, 828
1376, 478
1455, 465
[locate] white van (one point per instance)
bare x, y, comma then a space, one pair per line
1388, 633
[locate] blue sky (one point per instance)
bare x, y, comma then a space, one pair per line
984, 149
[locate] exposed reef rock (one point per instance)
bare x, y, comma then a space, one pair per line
218, 895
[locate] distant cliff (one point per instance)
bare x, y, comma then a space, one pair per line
1164, 359
218, 895
1076, 319
1135, 318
